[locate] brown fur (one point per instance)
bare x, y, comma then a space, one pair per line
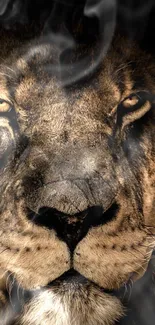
69, 165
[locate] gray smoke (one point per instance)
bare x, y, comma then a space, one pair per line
104, 11
3, 6
59, 18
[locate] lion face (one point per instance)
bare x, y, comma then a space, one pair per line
77, 185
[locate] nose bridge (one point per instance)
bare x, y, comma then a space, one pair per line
66, 122
69, 150
69, 120
73, 162
66, 139
72, 153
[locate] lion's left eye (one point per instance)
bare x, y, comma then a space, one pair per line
5, 106
134, 107
130, 101
7, 111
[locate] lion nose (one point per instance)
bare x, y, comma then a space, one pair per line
69, 228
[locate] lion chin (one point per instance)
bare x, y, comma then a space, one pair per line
72, 300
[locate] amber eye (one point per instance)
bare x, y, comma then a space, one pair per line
131, 109
134, 107
5, 106
130, 101
8, 112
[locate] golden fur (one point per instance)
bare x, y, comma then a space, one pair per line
76, 157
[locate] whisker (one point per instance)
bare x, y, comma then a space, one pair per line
5, 249
6, 67
9, 286
139, 252
148, 226
149, 233
139, 265
130, 290
123, 66
125, 291
5, 75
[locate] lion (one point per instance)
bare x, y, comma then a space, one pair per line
77, 184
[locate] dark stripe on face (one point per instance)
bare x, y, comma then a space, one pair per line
137, 76
13, 82
120, 81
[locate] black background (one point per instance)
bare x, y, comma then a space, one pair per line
135, 18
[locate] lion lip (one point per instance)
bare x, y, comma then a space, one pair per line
69, 280
70, 276
73, 279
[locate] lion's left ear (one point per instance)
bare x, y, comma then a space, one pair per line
132, 108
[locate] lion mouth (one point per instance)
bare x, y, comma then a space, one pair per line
71, 292
67, 279
70, 286
71, 279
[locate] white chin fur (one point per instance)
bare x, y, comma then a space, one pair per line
75, 306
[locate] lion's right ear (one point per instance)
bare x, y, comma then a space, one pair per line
133, 108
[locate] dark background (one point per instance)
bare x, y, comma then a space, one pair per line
135, 19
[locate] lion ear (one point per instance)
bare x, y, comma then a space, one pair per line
132, 108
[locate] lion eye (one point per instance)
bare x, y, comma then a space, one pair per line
5, 106
130, 110
133, 107
130, 101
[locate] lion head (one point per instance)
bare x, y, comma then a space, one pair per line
76, 181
